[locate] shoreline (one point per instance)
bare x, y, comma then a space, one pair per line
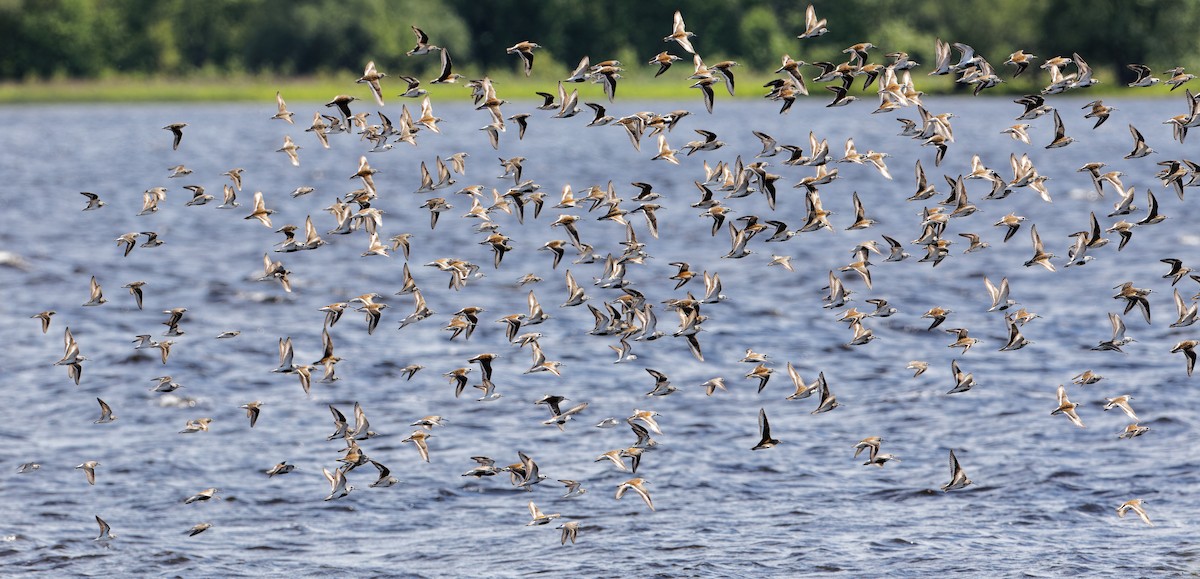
251, 88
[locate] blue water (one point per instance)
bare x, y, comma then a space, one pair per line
1044, 494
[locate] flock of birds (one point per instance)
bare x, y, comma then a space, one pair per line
630, 317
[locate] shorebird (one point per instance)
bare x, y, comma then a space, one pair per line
89, 470
524, 49
446, 74
1188, 348
204, 495
197, 529
1133, 431
680, 34
1140, 148
46, 315
637, 485
1021, 60
385, 476
252, 411
812, 27
371, 78
764, 429
96, 294
539, 518
337, 484
963, 381
289, 147
1145, 77
1134, 505
176, 130
196, 425
283, 113
281, 468
1000, 299
958, 477
570, 531
94, 201
828, 401
423, 46
106, 413
1067, 407
1060, 137
418, 438
1118, 338
105, 531
1121, 402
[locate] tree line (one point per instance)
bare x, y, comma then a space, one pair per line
96, 38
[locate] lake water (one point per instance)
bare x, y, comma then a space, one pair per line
1044, 494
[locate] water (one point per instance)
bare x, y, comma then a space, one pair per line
1044, 494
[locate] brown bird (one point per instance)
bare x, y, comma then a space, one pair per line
524, 49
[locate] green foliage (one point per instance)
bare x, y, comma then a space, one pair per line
97, 38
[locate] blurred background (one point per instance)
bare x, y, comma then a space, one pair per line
97, 39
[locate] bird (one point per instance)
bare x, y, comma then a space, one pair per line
1060, 137
371, 78
764, 429
1145, 77
812, 27
1133, 431
1188, 348
1040, 255
197, 529
958, 477
1021, 60
89, 470
281, 468
574, 488
261, 213
385, 476
337, 484
539, 518
423, 46
570, 531
1118, 339
418, 438
283, 113
870, 444
94, 201
1067, 407
637, 485
1140, 149
106, 413
524, 49
252, 411
1134, 505
105, 530
828, 402
176, 130
1000, 299
204, 495
45, 319
1121, 402
963, 381
446, 74
196, 425
96, 294
680, 34
1099, 111
664, 61
290, 147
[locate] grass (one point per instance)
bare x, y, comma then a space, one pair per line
637, 85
